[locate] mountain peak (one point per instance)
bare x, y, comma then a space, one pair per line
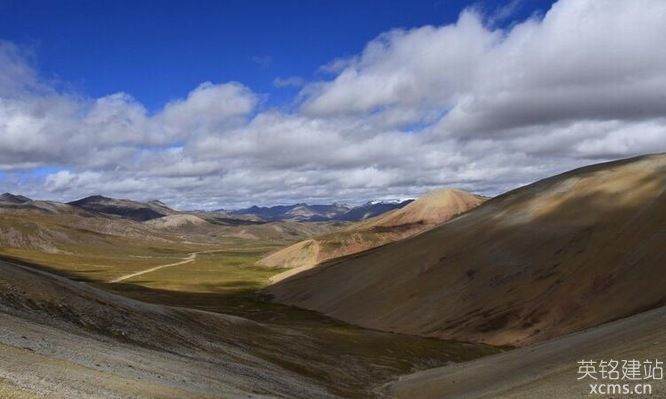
91, 199
138, 211
14, 199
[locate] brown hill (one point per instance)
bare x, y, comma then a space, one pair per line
176, 221
566, 253
428, 211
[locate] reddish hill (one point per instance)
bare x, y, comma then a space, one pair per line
426, 212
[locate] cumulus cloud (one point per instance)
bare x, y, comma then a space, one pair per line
584, 59
208, 108
421, 68
468, 104
45, 127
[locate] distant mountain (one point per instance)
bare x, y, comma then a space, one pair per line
265, 213
127, 209
297, 212
176, 221
14, 199
417, 216
372, 209
19, 203
318, 213
305, 212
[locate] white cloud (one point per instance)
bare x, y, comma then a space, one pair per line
208, 108
466, 105
60, 181
421, 68
585, 60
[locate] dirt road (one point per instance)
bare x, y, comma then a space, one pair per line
190, 258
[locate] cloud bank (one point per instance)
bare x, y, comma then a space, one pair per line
466, 105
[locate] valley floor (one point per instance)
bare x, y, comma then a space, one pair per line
284, 352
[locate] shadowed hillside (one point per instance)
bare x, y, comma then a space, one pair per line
134, 210
563, 254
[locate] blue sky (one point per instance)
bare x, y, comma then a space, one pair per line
223, 104
159, 50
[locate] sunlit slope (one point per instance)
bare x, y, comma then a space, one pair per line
432, 208
426, 212
565, 253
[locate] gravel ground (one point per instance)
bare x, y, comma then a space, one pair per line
63, 339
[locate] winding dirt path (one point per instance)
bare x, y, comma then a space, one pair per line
190, 258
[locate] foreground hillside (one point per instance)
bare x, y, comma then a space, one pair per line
426, 212
565, 253
65, 339
547, 370
56, 334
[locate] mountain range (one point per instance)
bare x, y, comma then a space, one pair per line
144, 211
319, 213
